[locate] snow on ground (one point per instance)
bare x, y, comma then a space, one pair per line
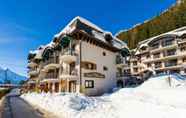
1, 88
153, 99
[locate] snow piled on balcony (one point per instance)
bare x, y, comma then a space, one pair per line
145, 101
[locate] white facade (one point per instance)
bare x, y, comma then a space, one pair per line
81, 58
94, 54
164, 53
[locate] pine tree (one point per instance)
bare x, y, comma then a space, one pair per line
172, 19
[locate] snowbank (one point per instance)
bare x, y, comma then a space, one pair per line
163, 82
61, 104
142, 102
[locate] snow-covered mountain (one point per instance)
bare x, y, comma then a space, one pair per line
8, 76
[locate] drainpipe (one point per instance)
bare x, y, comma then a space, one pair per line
70, 47
80, 71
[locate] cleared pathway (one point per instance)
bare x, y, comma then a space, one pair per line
16, 107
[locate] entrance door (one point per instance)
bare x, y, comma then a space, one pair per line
50, 87
72, 86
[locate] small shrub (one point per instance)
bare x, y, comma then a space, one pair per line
3, 92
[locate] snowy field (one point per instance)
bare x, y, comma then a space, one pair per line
154, 99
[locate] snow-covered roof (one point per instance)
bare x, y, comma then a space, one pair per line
33, 52
119, 44
92, 30
31, 82
143, 45
177, 32
87, 27
39, 52
68, 28
115, 42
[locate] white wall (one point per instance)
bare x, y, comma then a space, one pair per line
94, 54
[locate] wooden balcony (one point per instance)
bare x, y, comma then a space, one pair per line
51, 64
32, 64
33, 72
120, 62
68, 56
66, 74
163, 58
161, 48
51, 77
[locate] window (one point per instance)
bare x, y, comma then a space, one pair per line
57, 59
105, 68
148, 56
156, 55
104, 53
89, 84
135, 63
170, 52
135, 70
183, 48
89, 65
143, 48
155, 46
171, 63
168, 41
158, 64
184, 59
148, 65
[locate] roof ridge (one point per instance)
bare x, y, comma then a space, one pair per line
81, 19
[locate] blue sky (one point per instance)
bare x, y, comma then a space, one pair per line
24, 25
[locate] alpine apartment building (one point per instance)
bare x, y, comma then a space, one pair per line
165, 53
81, 58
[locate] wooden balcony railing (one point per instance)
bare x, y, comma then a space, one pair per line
70, 72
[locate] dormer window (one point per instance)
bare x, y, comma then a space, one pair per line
143, 48
108, 37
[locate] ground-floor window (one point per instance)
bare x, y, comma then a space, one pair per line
89, 84
159, 72
72, 86
174, 71
120, 84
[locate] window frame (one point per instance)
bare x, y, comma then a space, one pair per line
105, 68
88, 65
89, 83
104, 53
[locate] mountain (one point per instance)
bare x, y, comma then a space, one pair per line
8, 76
172, 18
